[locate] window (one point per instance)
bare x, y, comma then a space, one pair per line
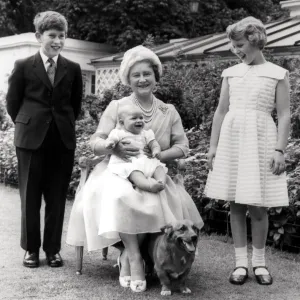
93, 84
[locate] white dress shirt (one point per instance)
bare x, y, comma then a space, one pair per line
45, 59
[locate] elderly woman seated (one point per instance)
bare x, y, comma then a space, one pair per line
109, 209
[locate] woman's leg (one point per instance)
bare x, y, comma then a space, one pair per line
132, 248
239, 234
124, 263
259, 227
124, 260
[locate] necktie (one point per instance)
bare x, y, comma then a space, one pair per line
51, 70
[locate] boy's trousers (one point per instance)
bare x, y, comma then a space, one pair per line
45, 172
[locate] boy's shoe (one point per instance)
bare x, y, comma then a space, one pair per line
31, 259
54, 260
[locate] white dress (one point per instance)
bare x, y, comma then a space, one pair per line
108, 204
137, 163
248, 137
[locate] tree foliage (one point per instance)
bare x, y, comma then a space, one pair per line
126, 23
16, 16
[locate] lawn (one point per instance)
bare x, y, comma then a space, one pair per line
208, 279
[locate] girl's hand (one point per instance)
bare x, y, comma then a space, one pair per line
277, 163
124, 150
210, 157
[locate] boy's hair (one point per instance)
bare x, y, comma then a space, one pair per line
250, 28
48, 20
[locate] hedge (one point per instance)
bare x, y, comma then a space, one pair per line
194, 90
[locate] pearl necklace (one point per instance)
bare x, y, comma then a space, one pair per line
147, 113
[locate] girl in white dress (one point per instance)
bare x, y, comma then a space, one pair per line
246, 155
146, 173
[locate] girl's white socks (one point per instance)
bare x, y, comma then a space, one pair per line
258, 260
241, 260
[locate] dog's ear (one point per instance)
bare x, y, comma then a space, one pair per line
167, 229
196, 229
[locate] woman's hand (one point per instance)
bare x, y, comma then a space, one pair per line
125, 150
277, 163
210, 157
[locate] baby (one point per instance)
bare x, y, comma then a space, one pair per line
148, 174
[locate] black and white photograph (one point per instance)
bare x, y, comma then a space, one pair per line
150, 149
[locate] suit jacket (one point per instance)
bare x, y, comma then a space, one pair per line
32, 102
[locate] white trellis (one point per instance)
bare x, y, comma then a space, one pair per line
106, 78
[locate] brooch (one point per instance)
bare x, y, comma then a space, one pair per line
163, 108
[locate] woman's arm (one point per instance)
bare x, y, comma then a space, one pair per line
219, 116
107, 123
283, 114
179, 144
171, 154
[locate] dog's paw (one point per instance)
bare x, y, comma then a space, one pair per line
166, 293
185, 290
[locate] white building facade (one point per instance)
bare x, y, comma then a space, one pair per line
23, 45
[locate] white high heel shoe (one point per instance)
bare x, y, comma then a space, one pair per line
124, 280
138, 286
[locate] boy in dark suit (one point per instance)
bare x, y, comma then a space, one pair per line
44, 100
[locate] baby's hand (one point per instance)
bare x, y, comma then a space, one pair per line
110, 144
156, 153
147, 152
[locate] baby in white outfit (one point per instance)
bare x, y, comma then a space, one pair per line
146, 173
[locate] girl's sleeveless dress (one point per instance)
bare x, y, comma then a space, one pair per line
241, 169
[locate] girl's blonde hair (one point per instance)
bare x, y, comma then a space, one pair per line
250, 28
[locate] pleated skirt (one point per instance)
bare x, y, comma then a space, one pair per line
241, 169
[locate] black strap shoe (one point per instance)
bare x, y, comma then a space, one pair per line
238, 279
54, 260
31, 259
263, 279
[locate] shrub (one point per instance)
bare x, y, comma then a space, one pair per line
193, 89
8, 159
5, 121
